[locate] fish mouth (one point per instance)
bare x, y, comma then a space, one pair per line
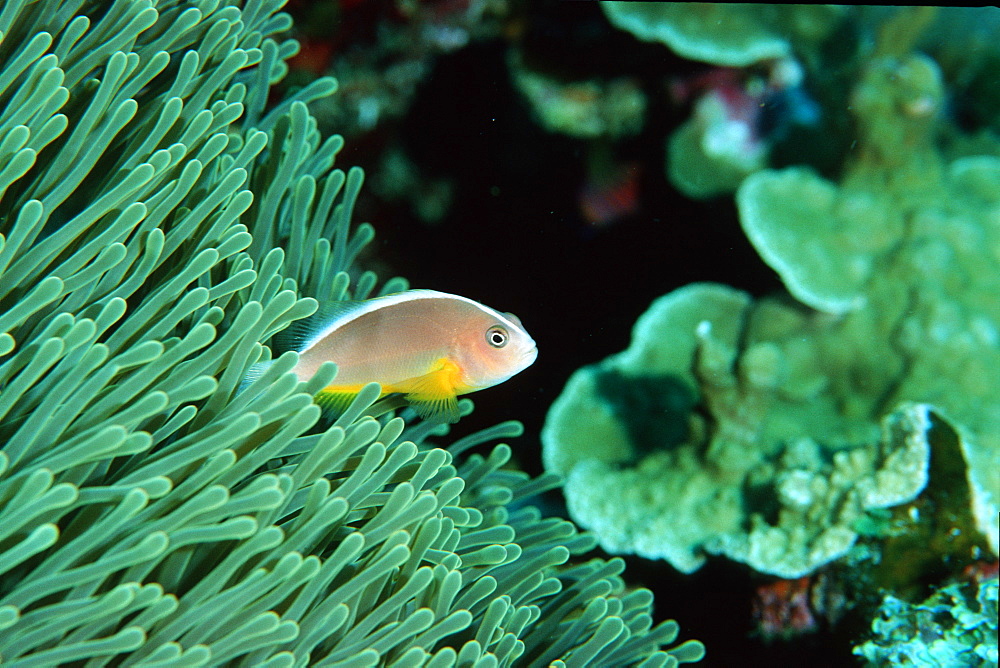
529, 356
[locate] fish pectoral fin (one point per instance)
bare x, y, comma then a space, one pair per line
444, 409
433, 395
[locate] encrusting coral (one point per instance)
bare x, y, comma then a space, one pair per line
158, 227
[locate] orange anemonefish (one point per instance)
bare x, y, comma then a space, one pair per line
430, 346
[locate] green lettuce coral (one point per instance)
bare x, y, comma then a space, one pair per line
905, 248
158, 226
734, 34
722, 142
711, 434
764, 430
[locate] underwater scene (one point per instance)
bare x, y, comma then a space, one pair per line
498, 333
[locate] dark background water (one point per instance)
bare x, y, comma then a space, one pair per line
514, 238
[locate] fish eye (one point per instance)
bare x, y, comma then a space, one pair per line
496, 336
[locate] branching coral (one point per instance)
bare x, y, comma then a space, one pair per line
158, 227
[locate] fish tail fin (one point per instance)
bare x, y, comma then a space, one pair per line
253, 373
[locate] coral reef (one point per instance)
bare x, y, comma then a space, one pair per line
767, 470
762, 440
726, 138
906, 247
724, 33
786, 609
718, 147
588, 109
948, 629
782, 608
158, 227
380, 53
779, 76
741, 107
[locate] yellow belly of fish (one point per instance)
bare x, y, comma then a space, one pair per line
443, 379
432, 394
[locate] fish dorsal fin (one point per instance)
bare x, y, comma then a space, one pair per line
433, 395
301, 333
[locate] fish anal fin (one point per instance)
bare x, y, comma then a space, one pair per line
334, 402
